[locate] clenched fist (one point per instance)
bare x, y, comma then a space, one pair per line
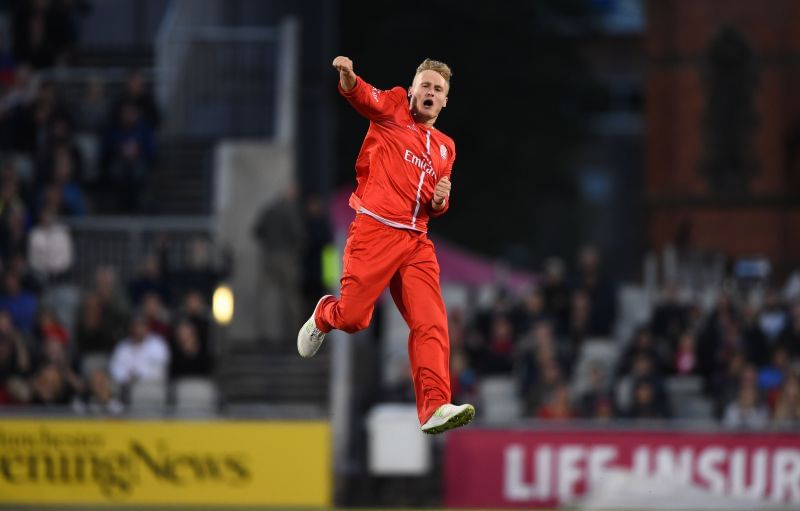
441, 193
346, 75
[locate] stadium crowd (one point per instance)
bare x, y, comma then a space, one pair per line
65, 157
69, 154
91, 153
154, 327
744, 350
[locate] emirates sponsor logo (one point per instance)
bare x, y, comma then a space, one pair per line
422, 163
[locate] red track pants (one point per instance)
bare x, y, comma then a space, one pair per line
375, 256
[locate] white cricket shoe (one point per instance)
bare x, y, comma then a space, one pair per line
310, 338
447, 417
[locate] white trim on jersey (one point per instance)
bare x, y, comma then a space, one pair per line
419, 192
390, 223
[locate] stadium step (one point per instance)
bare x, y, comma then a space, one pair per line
181, 181
266, 373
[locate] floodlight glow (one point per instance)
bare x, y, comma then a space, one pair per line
222, 304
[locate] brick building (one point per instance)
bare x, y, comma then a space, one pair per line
723, 126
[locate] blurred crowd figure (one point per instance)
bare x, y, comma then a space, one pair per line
46, 32
743, 351
91, 153
292, 233
154, 327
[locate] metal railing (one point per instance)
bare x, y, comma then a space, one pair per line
226, 81
123, 242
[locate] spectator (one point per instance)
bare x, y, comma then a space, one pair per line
156, 315
49, 387
93, 110
34, 134
101, 398
36, 30
20, 303
790, 337
580, 320
55, 355
548, 380
756, 343
137, 93
600, 290
556, 293
746, 412
463, 378
596, 401
646, 402
8, 66
670, 317
21, 93
95, 332
685, 361
632, 398
318, 228
61, 189
15, 359
280, 232
558, 406
50, 247
500, 347
538, 356
720, 338
194, 309
641, 344
773, 317
189, 357
149, 280
771, 376
725, 385
13, 217
530, 311
787, 407
130, 152
200, 274
113, 303
49, 327
142, 356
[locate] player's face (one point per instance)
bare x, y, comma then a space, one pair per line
428, 95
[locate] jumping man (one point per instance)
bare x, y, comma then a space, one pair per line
403, 178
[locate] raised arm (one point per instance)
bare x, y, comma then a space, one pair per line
372, 103
347, 78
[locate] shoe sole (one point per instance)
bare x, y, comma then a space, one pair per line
456, 421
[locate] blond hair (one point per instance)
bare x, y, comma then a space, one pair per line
435, 65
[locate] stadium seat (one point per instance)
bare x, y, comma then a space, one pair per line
92, 361
65, 301
597, 350
148, 398
697, 408
498, 399
685, 385
89, 146
195, 397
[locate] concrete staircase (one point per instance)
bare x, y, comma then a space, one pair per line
180, 183
273, 374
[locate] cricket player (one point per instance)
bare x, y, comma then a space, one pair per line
403, 178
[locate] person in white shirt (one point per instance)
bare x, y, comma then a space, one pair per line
142, 356
50, 245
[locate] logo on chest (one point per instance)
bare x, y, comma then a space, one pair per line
423, 163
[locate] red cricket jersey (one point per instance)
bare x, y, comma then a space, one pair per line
400, 161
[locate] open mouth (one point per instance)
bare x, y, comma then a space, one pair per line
428, 103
